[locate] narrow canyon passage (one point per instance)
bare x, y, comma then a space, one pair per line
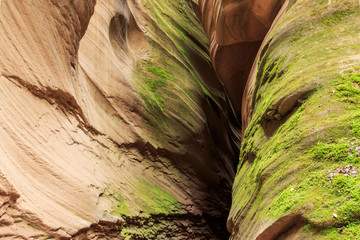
236, 30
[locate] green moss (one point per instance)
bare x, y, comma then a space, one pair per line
153, 85
295, 118
159, 101
182, 50
155, 200
347, 87
355, 128
151, 93
332, 151
155, 102
348, 232
336, 17
160, 73
151, 199
167, 80
355, 78
289, 173
145, 209
352, 231
320, 198
119, 207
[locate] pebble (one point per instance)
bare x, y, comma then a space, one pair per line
349, 170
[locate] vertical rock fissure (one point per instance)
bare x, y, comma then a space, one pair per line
236, 30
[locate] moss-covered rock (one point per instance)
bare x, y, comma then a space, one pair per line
190, 132
301, 120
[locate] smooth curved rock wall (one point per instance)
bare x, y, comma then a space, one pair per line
108, 129
297, 177
236, 29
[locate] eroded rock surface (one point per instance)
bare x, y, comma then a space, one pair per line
108, 129
236, 29
301, 119
114, 124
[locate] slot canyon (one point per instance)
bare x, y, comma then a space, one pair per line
179, 119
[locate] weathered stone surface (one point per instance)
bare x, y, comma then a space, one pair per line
307, 71
114, 124
236, 29
107, 126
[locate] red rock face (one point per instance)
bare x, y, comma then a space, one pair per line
236, 29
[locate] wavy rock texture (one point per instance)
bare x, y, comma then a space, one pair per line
301, 121
113, 123
236, 29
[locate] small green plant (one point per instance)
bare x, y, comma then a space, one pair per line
348, 92
355, 78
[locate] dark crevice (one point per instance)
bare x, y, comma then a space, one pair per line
224, 130
197, 42
223, 125
233, 64
213, 106
195, 7
250, 157
118, 29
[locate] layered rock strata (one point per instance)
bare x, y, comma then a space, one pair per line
109, 122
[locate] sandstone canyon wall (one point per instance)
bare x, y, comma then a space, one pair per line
235, 29
108, 129
297, 176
